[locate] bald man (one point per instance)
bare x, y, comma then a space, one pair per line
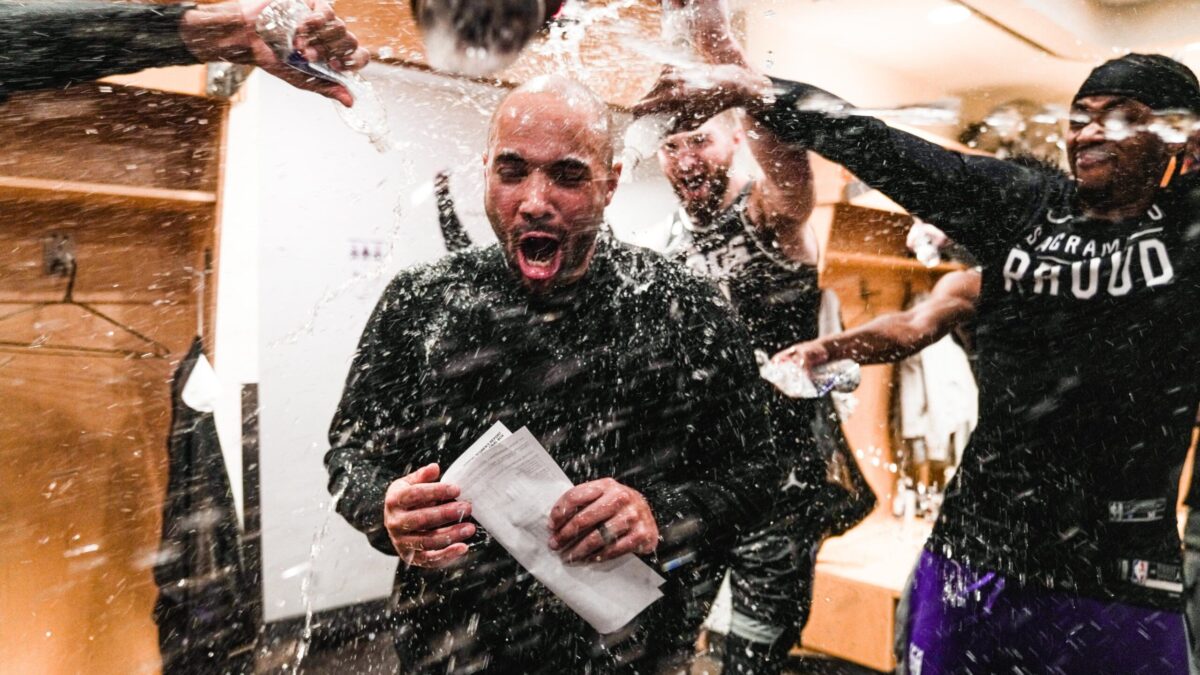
629, 370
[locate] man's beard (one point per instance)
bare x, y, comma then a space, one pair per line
708, 208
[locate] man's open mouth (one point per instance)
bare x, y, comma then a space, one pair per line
539, 255
1093, 157
694, 183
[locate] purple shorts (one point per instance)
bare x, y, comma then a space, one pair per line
963, 621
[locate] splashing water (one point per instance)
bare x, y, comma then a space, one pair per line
277, 25
1169, 126
940, 113
566, 34
368, 116
673, 47
477, 37
644, 135
1172, 126
310, 578
641, 141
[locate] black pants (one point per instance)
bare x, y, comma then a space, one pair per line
771, 579
771, 571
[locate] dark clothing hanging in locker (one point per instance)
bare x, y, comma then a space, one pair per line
453, 233
204, 622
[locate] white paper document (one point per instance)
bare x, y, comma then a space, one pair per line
512, 483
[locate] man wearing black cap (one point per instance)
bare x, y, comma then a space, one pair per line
1057, 548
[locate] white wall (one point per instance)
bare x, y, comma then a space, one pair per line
323, 192
236, 358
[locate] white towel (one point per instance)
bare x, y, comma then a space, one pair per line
939, 401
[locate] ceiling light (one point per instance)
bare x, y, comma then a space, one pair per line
949, 14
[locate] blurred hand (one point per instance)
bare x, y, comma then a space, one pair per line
601, 520
920, 231
807, 355
707, 21
696, 94
225, 31
423, 520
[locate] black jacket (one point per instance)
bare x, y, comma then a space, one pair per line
639, 373
204, 622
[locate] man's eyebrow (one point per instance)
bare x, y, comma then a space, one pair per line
571, 163
568, 162
1109, 104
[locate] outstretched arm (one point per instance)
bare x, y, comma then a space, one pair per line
955, 190
893, 337
54, 44
784, 198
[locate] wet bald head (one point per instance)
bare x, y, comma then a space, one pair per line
582, 113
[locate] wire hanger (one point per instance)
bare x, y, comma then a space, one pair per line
155, 349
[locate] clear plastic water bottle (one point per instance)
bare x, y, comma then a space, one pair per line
277, 25
793, 380
676, 31
646, 134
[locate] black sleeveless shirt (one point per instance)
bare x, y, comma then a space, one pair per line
779, 302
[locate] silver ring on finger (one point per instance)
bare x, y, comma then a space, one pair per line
607, 537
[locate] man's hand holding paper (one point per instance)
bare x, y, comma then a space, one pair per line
424, 521
602, 520
520, 494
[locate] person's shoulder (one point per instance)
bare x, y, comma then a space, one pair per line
666, 284
687, 310
1040, 165
627, 255
430, 279
1041, 186
661, 271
